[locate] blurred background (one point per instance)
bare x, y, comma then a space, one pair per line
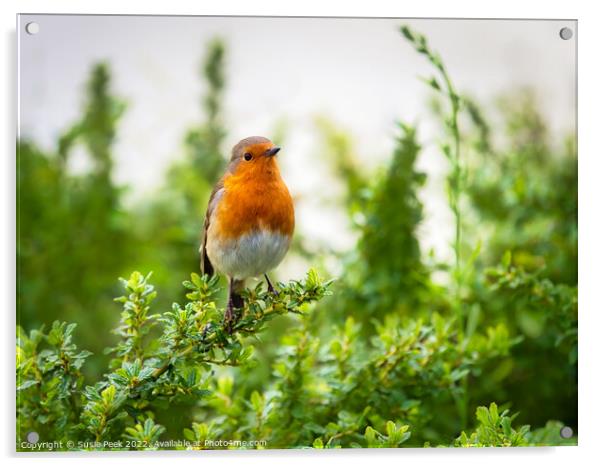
126, 122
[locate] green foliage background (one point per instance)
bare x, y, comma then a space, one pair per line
384, 355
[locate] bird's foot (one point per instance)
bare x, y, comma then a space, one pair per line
230, 318
273, 290
232, 315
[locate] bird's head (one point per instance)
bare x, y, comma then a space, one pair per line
254, 156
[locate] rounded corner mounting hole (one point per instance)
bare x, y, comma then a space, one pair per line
566, 33
32, 28
566, 432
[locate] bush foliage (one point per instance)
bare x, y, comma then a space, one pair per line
388, 354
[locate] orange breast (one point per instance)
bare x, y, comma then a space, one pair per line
261, 201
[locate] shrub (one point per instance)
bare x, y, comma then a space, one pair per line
147, 373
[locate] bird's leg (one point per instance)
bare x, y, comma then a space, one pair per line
271, 289
229, 314
235, 304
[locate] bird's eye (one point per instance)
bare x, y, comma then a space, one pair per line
248, 156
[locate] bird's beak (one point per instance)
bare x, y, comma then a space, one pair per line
272, 152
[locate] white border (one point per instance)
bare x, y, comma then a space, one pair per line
590, 195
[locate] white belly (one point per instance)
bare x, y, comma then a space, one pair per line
253, 254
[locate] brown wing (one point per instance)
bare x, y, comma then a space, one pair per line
206, 265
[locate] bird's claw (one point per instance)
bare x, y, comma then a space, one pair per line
273, 290
231, 317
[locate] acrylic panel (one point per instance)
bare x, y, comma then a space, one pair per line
269, 232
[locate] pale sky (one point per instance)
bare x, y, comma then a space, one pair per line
359, 72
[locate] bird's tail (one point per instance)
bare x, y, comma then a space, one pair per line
206, 265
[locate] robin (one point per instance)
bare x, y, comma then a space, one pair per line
249, 220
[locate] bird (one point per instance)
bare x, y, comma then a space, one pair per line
249, 221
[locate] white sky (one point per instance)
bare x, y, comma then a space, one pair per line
359, 72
